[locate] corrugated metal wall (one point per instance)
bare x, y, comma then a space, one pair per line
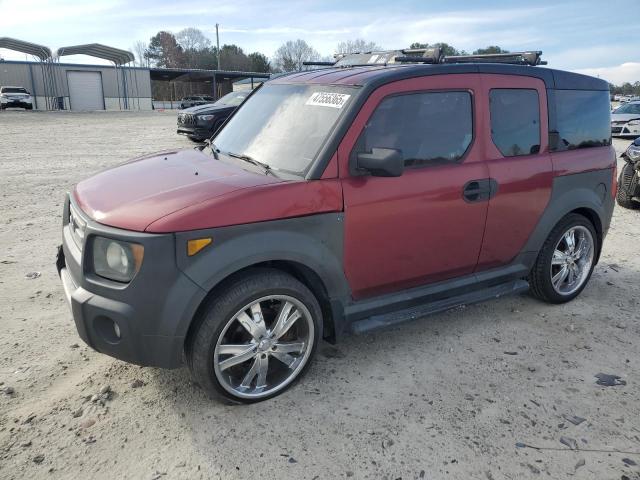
30, 76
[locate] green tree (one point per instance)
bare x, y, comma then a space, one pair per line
259, 62
164, 51
490, 49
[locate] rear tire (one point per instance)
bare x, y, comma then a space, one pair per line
252, 340
624, 195
555, 255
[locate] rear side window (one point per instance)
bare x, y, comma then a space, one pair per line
515, 121
428, 128
583, 119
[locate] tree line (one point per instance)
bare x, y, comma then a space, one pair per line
190, 48
627, 88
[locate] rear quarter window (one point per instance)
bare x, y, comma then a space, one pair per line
583, 119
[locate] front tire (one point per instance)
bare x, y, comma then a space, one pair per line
256, 337
566, 261
625, 193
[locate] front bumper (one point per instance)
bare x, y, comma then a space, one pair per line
194, 131
143, 322
625, 130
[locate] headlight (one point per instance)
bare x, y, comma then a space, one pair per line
206, 118
633, 152
634, 123
116, 260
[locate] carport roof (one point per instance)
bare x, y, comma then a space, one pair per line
29, 48
192, 74
115, 55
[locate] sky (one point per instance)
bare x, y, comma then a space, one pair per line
595, 37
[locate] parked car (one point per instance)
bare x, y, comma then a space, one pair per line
625, 120
343, 200
199, 123
12, 97
188, 102
629, 181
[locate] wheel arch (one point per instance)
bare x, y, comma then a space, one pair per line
301, 272
595, 220
308, 248
585, 194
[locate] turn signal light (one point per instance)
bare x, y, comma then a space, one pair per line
196, 245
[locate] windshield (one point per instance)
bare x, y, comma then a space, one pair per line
232, 99
284, 126
13, 90
632, 108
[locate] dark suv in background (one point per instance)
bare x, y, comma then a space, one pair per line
199, 123
188, 102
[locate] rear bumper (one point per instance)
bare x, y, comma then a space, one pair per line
144, 322
16, 104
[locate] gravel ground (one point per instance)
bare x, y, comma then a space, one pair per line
455, 395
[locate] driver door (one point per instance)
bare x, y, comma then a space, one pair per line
424, 226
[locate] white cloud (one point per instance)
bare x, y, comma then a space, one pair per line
627, 72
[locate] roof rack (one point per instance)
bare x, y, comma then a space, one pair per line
433, 55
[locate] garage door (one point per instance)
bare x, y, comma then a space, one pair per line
85, 90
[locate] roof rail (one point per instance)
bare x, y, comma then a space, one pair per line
432, 55
531, 58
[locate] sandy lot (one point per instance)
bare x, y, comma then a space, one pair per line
437, 398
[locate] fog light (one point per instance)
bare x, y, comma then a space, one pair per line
116, 329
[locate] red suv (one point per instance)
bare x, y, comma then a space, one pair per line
341, 200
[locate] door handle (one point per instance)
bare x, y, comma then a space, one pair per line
479, 190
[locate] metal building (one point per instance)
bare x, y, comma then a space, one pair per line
66, 86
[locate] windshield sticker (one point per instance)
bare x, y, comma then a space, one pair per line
328, 99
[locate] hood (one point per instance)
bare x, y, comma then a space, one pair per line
624, 117
137, 193
208, 108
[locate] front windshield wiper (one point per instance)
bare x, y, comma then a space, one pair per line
211, 145
253, 161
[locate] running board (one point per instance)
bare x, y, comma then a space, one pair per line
391, 319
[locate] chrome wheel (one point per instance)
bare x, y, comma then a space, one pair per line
264, 346
572, 260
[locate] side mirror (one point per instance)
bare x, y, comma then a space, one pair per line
381, 162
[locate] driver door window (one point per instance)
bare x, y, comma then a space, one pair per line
431, 128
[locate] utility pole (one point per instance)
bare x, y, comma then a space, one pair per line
218, 45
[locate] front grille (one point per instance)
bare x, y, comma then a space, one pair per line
186, 119
77, 226
616, 129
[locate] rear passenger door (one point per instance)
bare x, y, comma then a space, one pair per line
515, 128
421, 227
